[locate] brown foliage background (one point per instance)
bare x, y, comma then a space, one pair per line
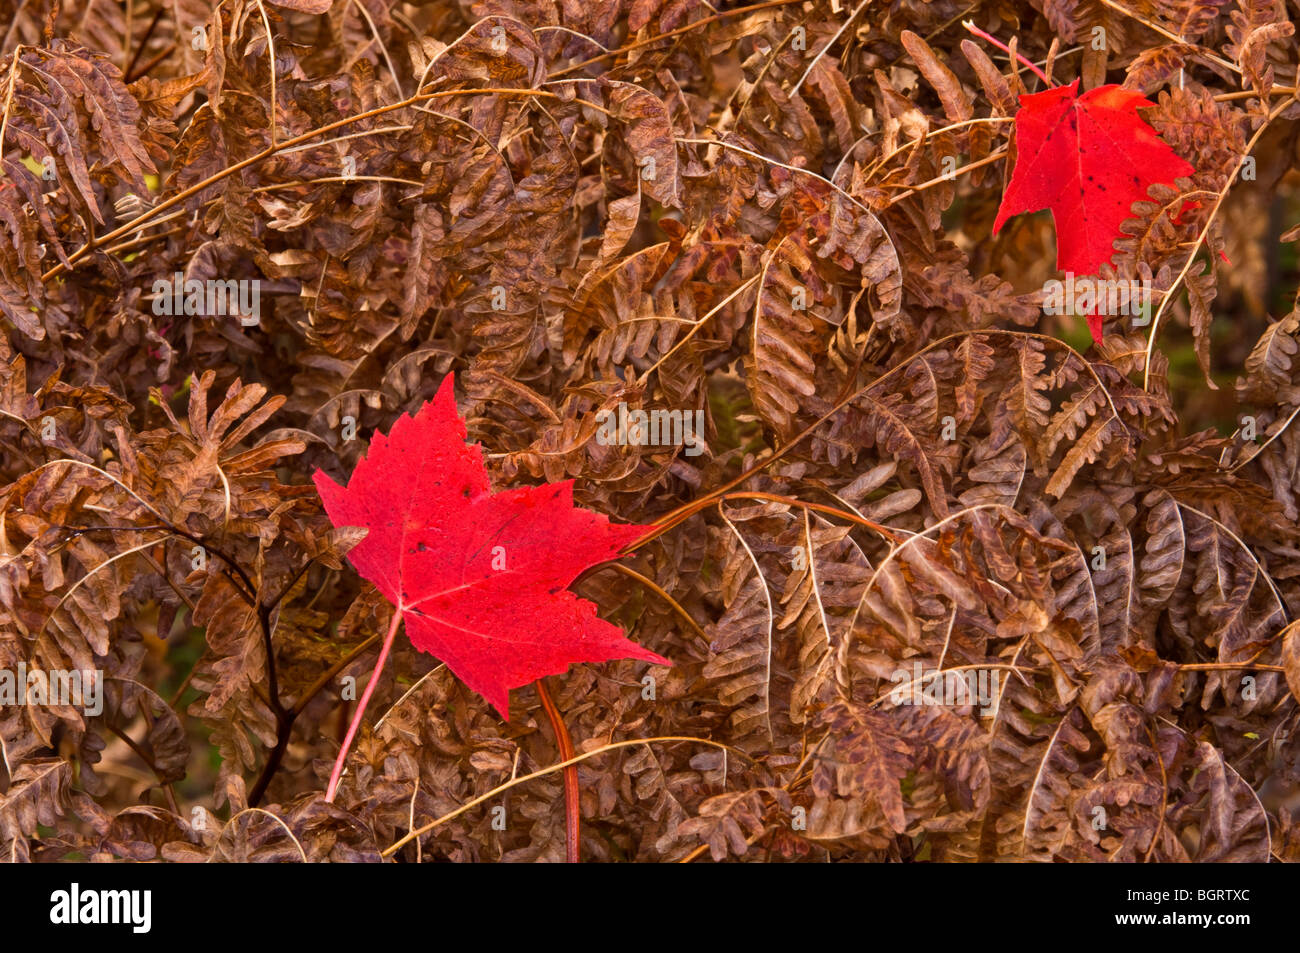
671, 205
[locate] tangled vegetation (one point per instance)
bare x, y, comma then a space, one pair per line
778, 216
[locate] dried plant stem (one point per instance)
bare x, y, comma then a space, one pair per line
275, 149
148, 67
660, 592
829, 43
9, 98
686, 510
144, 41
1209, 221
564, 742
270, 67
1164, 795
750, 841
1230, 667
397, 845
671, 33
799, 170
1156, 28
361, 706
328, 675
379, 41
699, 324
969, 167
683, 513
1253, 94
257, 810
284, 717
917, 143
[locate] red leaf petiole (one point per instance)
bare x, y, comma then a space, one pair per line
1006, 49
563, 742
361, 707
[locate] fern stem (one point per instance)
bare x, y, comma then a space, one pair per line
514, 782
609, 54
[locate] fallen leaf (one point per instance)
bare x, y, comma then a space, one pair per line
1087, 158
480, 578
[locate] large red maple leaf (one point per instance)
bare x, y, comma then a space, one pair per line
479, 578
1088, 158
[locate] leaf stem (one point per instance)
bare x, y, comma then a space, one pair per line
564, 742
1006, 49
361, 706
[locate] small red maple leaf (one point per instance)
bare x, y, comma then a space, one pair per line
1087, 158
479, 578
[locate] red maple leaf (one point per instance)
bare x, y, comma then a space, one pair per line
1088, 158
479, 578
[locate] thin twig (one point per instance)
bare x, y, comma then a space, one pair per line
560, 766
